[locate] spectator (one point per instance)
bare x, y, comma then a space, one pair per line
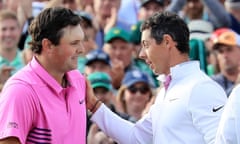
233, 7
89, 43
106, 13
134, 94
227, 47
120, 52
89, 29
97, 61
10, 57
149, 7
208, 10
102, 87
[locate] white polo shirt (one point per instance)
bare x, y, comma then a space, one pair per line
229, 126
187, 113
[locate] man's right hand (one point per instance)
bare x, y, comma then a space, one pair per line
92, 102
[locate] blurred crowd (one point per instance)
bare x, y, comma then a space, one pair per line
121, 80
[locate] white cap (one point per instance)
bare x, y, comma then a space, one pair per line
200, 29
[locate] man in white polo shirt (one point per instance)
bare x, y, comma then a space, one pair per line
229, 126
187, 111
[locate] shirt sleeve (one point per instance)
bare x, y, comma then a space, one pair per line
205, 106
16, 111
123, 131
229, 126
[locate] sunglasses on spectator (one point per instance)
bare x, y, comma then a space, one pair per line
141, 89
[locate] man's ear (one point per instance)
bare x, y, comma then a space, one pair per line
168, 41
46, 45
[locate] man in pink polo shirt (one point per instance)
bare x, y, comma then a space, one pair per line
45, 101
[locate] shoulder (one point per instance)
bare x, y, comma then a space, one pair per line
204, 81
24, 76
16, 90
207, 90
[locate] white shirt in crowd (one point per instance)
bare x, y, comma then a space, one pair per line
187, 113
229, 126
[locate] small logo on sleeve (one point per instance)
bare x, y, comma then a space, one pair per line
215, 109
12, 125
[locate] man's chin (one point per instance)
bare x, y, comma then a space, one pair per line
230, 70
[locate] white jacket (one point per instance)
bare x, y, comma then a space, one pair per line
229, 126
187, 113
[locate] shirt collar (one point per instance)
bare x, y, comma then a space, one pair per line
184, 69
181, 70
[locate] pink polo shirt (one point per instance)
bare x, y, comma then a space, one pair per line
36, 109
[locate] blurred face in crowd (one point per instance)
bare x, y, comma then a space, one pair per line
120, 50
194, 9
89, 39
136, 97
103, 94
103, 7
228, 58
149, 9
9, 34
97, 66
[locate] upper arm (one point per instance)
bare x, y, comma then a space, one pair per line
10, 140
228, 130
16, 111
204, 98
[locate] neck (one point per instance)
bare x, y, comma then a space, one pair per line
178, 59
58, 76
8, 54
231, 76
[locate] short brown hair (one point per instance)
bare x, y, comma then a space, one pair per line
7, 14
49, 24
